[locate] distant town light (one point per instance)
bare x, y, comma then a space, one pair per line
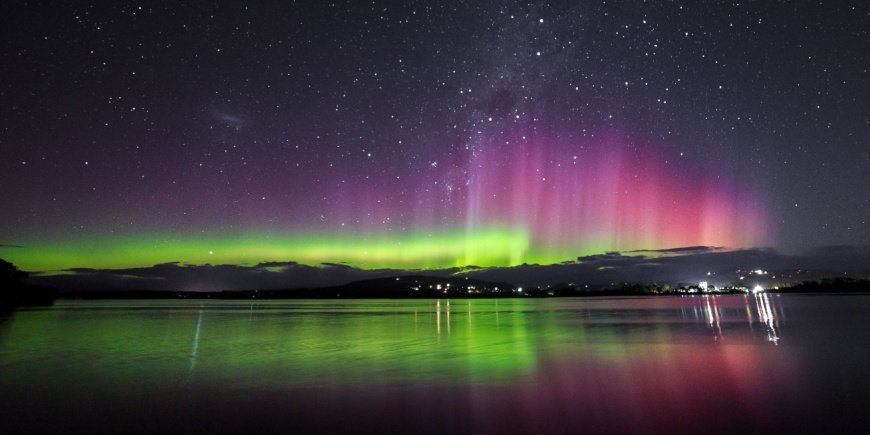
757, 289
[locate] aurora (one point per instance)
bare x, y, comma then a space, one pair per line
434, 216
526, 200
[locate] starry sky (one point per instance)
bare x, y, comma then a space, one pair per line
428, 134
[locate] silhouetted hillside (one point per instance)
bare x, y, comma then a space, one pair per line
417, 286
14, 291
830, 285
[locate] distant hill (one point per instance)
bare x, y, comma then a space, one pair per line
402, 287
421, 286
413, 286
830, 285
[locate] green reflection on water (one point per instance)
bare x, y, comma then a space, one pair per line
167, 344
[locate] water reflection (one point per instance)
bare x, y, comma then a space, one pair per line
766, 316
516, 365
6, 314
756, 309
412, 340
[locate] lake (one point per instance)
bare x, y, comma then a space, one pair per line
726, 363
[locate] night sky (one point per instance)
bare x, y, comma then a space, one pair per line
428, 134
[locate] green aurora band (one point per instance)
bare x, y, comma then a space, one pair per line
484, 248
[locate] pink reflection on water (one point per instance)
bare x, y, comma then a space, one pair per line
675, 387
658, 384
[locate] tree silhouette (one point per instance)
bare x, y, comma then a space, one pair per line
15, 292
11, 278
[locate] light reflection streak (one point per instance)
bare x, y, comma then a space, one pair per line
717, 318
708, 311
195, 341
713, 311
767, 317
448, 316
748, 311
469, 315
438, 315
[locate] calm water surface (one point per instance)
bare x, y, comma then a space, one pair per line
724, 363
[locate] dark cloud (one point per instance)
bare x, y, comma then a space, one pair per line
338, 265
276, 264
681, 250
599, 257
841, 249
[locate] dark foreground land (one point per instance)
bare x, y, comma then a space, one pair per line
427, 287
14, 291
